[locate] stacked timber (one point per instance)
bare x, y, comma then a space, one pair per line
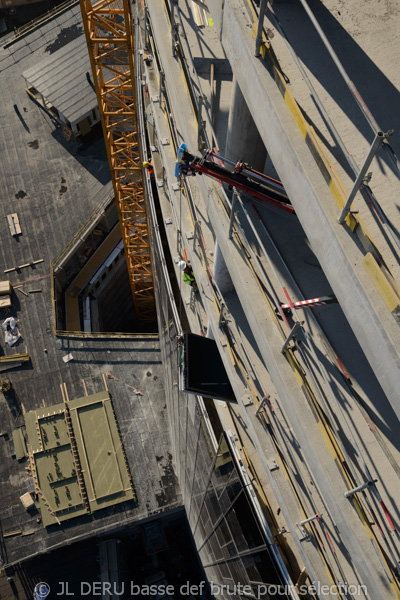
14, 358
5, 294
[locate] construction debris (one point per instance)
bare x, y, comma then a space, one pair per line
13, 223
27, 501
29, 264
112, 377
22, 291
5, 302
5, 294
5, 288
67, 357
5, 385
11, 332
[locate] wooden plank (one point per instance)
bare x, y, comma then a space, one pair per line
68, 357
14, 357
13, 223
22, 291
105, 381
5, 288
5, 301
11, 533
62, 392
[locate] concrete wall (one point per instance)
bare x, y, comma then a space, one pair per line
337, 253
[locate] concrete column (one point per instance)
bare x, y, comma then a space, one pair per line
243, 142
221, 273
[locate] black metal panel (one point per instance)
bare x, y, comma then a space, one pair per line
204, 372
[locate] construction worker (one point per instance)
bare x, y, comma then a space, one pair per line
187, 274
150, 168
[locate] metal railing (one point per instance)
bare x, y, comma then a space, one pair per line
381, 139
20, 32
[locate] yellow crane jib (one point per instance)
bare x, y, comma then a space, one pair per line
110, 40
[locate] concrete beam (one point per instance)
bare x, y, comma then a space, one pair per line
341, 260
267, 338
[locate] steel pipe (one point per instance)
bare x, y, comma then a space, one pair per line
376, 144
260, 28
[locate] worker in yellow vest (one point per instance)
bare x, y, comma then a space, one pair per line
187, 274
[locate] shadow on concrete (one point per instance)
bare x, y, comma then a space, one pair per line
21, 118
64, 37
377, 91
90, 152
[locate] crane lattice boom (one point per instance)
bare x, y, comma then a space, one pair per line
109, 34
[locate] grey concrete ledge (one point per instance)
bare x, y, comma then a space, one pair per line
368, 315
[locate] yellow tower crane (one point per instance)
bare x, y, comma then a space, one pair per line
108, 27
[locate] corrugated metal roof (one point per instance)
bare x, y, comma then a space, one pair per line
61, 79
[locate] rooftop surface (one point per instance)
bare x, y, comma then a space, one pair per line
61, 79
77, 458
54, 186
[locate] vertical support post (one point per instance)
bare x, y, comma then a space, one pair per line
173, 27
164, 177
146, 16
200, 101
260, 28
195, 233
161, 87
212, 102
154, 130
234, 200
291, 336
376, 144
262, 404
221, 314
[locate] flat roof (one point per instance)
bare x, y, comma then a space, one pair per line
77, 458
100, 449
61, 79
